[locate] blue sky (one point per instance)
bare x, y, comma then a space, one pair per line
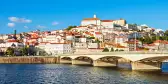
27, 15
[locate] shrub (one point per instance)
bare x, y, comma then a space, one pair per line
106, 50
116, 50
112, 50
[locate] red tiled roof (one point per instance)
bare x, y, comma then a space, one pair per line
107, 20
165, 42
158, 41
82, 37
91, 35
97, 33
12, 40
131, 42
116, 45
87, 33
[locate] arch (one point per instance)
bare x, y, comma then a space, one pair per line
154, 58
64, 57
83, 57
114, 57
67, 58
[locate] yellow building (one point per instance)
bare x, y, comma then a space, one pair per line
121, 22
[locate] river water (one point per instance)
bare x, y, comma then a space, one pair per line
72, 74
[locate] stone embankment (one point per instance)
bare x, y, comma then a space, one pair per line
29, 60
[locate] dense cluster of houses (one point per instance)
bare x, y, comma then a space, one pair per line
93, 35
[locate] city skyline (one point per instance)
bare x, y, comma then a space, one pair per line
52, 15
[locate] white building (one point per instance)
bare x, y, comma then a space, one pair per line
82, 39
3, 37
88, 21
10, 43
80, 28
55, 39
80, 45
98, 35
56, 48
107, 30
121, 40
96, 23
93, 45
70, 37
107, 23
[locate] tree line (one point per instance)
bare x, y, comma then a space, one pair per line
23, 51
148, 39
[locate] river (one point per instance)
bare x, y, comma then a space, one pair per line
72, 74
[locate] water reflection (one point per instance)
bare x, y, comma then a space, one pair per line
71, 74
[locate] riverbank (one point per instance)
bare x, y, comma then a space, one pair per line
29, 60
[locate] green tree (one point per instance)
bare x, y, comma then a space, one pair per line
10, 51
153, 38
147, 40
91, 37
116, 50
121, 50
97, 41
166, 38
106, 50
166, 33
70, 27
141, 39
161, 38
112, 50
125, 30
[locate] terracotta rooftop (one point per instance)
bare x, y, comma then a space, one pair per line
107, 20
97, 33
115, 45
12, 40
160, 41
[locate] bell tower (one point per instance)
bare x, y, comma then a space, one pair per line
94, 16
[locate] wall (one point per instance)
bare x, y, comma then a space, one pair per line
80, 45
120, 22
87, 51
29, 60
83, 40
88, 22
108, 24
93, 45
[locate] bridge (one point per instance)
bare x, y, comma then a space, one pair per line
138, 60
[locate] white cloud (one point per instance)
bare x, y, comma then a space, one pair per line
13, 19
55, 23
11, 24
19, 20
26, 27
41, 27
